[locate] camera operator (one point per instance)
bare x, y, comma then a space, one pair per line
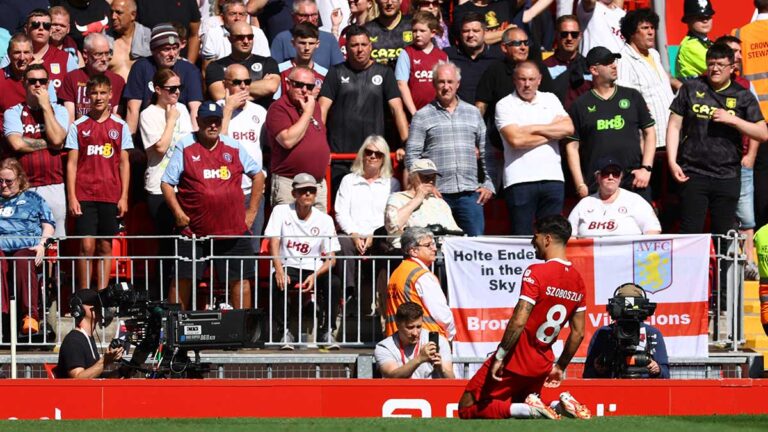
628, 348
79, 356
413, 352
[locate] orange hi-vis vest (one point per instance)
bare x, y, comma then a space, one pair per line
401, 289
754, 50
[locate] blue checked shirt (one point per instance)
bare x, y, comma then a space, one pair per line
449, 140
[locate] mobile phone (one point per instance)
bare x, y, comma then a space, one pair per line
435, 337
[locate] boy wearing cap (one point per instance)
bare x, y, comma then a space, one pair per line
202, 186
606, 123
97, 178
165, 45
691, 61
299, 235
79, 356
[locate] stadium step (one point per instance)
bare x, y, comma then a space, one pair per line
753, 329
751, 290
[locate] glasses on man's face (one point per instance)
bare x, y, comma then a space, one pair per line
429, 245
307, 16
610, 173
35, 81
103, 54
243, 37
239, 82
307, 190
37, 24
433, 3
517, 43
377, 154
718, 66
300, 85
173, 88
7, 182
572, 34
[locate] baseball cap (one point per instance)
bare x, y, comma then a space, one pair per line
424, 166
88, 297
601, 55
303, 180
163, 34
608, 161
210, 109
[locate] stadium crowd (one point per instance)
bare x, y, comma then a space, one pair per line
223, 115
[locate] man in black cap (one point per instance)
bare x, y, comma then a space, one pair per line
606, 122
202, 186
697, 14
79, 356
138, 92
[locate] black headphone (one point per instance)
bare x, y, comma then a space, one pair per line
76, 308
628, 284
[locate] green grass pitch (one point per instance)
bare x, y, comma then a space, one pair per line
606, 424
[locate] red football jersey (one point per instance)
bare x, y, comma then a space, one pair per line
556, 290
12, 92
420, 80
55, 60
43, 167
99, 148
73, 90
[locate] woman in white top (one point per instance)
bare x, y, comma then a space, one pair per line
361, 199
612, 210
161, 125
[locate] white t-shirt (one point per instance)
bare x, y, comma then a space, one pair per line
390, 350
245, 128
302, 242
541, 162
152, 124
215, 42
602, 27
360, 205
629, 214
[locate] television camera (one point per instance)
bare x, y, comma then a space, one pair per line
161, 329
628, 355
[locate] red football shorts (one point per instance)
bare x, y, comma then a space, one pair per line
512, 387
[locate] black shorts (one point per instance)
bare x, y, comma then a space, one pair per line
98, 219
233, 257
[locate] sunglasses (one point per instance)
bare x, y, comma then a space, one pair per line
38, 24
610, 172
237, 82
33, 81
572, 34
429, 3
517, 43
301, 85
242, 37
172, 89
6, 182
311, 190
378, 154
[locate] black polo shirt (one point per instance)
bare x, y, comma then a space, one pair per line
360, 103
387, 44
472, 69
610, 127
709, 148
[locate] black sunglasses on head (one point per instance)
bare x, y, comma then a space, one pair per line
301, 85
237, 82
173, 89
38, 24
517, 43
34, 81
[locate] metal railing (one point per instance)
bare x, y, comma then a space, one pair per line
356, 322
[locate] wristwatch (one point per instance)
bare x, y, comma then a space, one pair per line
647, 168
